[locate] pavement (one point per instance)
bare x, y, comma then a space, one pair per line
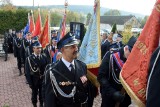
14, 92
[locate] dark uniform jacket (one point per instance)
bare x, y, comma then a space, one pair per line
105, 47
109, 80
10, 43
63, 75
35, 68
47, 52
153, 93
5, 43
25, 44
28, 51
17, 47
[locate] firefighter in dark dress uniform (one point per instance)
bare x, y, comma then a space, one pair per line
51, 50
10, 41
14, 34
66, 84
105, 44
29, 49
25, 43
153, 86
112, 92
54, 34
17, 51
117, 44
35, 66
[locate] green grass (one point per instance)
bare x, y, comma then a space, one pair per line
6, 105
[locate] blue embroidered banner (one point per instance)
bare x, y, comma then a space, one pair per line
90, 48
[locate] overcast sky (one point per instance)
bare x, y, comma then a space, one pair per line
137, 6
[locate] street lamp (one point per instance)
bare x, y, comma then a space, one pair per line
33, 5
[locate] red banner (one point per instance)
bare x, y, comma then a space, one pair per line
38, 26
135, 71
31, 23
44, 37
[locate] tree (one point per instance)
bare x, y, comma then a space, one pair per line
13, 19
89, 15
7, 5
82, 18
112, 12
72, 17
55, 19
114, 28
143, 22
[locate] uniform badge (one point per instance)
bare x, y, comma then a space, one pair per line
63, 83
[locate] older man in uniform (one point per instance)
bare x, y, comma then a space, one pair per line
65, 81
113, 94
35, 67
105, 44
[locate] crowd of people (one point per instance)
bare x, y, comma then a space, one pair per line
60, 79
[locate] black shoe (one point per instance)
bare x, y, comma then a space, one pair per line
41, 105
34, 105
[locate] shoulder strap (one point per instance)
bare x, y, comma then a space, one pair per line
117, 59
29, 61
59, 90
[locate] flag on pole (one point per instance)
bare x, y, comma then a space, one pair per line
63, 29
59, 32
135, 71
31, 22
26, 29
90, 51
38, 26
44, 37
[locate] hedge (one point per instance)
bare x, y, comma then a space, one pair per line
13, 19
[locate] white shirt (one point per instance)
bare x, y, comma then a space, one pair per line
36, 55
68, 63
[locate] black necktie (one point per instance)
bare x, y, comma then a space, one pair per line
38, 57
72, 68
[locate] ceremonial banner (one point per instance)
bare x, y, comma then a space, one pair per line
63, 27
44, 37
135, 71
59, 31
90, 51
38, 26
31, 22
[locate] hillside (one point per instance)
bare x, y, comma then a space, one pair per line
84, 9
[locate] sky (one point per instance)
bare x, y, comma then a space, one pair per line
137, 6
